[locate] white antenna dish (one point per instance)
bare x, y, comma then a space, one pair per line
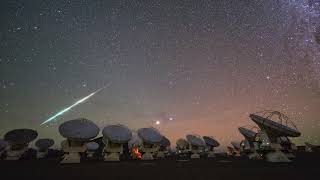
182, 144
77, 132
43, 145
20, 136
195, 140
91, 148
196, 143
117, 133
19, 140
248, 146
247, 133
114, 136
275, 124
150, 135
79, 129
182, 148
164, 145
210, 141
165, 142
151, 139
236, 145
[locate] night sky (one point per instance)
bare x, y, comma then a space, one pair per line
195, 66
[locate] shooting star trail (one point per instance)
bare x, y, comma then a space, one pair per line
73, 105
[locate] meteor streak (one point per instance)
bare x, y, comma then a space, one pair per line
73, 105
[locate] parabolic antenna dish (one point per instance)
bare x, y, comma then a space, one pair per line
275, 123
79, 129
210, 141
117, 133
44, 143
92, 146
20, 136
236, 145
150, 135
3, 144
182, 143
247, 133
195, 140
165, 142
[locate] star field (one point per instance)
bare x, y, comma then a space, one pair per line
181, 66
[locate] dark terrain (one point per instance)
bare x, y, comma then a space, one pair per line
305, 166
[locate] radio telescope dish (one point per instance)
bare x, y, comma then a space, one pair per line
77, 132
275, 124
91, 148
182, 148
236, 145
210, 141
19, 140
117, 133
151, 139
182, 144
150, 135
165, 142
79, 129
164, 145
236, 148
195, 140
247, 133
114, 136
20, 136
248, 145
43, 145
275, 128
196, 143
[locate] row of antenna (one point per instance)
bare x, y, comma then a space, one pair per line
270, 141
79, 136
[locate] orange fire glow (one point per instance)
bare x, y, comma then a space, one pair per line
136, 152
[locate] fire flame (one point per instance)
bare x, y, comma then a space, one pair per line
136, 152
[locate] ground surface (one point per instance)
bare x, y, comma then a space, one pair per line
306, 166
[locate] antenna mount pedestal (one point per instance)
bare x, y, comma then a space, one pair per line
112, 151
72, 151
16, 154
